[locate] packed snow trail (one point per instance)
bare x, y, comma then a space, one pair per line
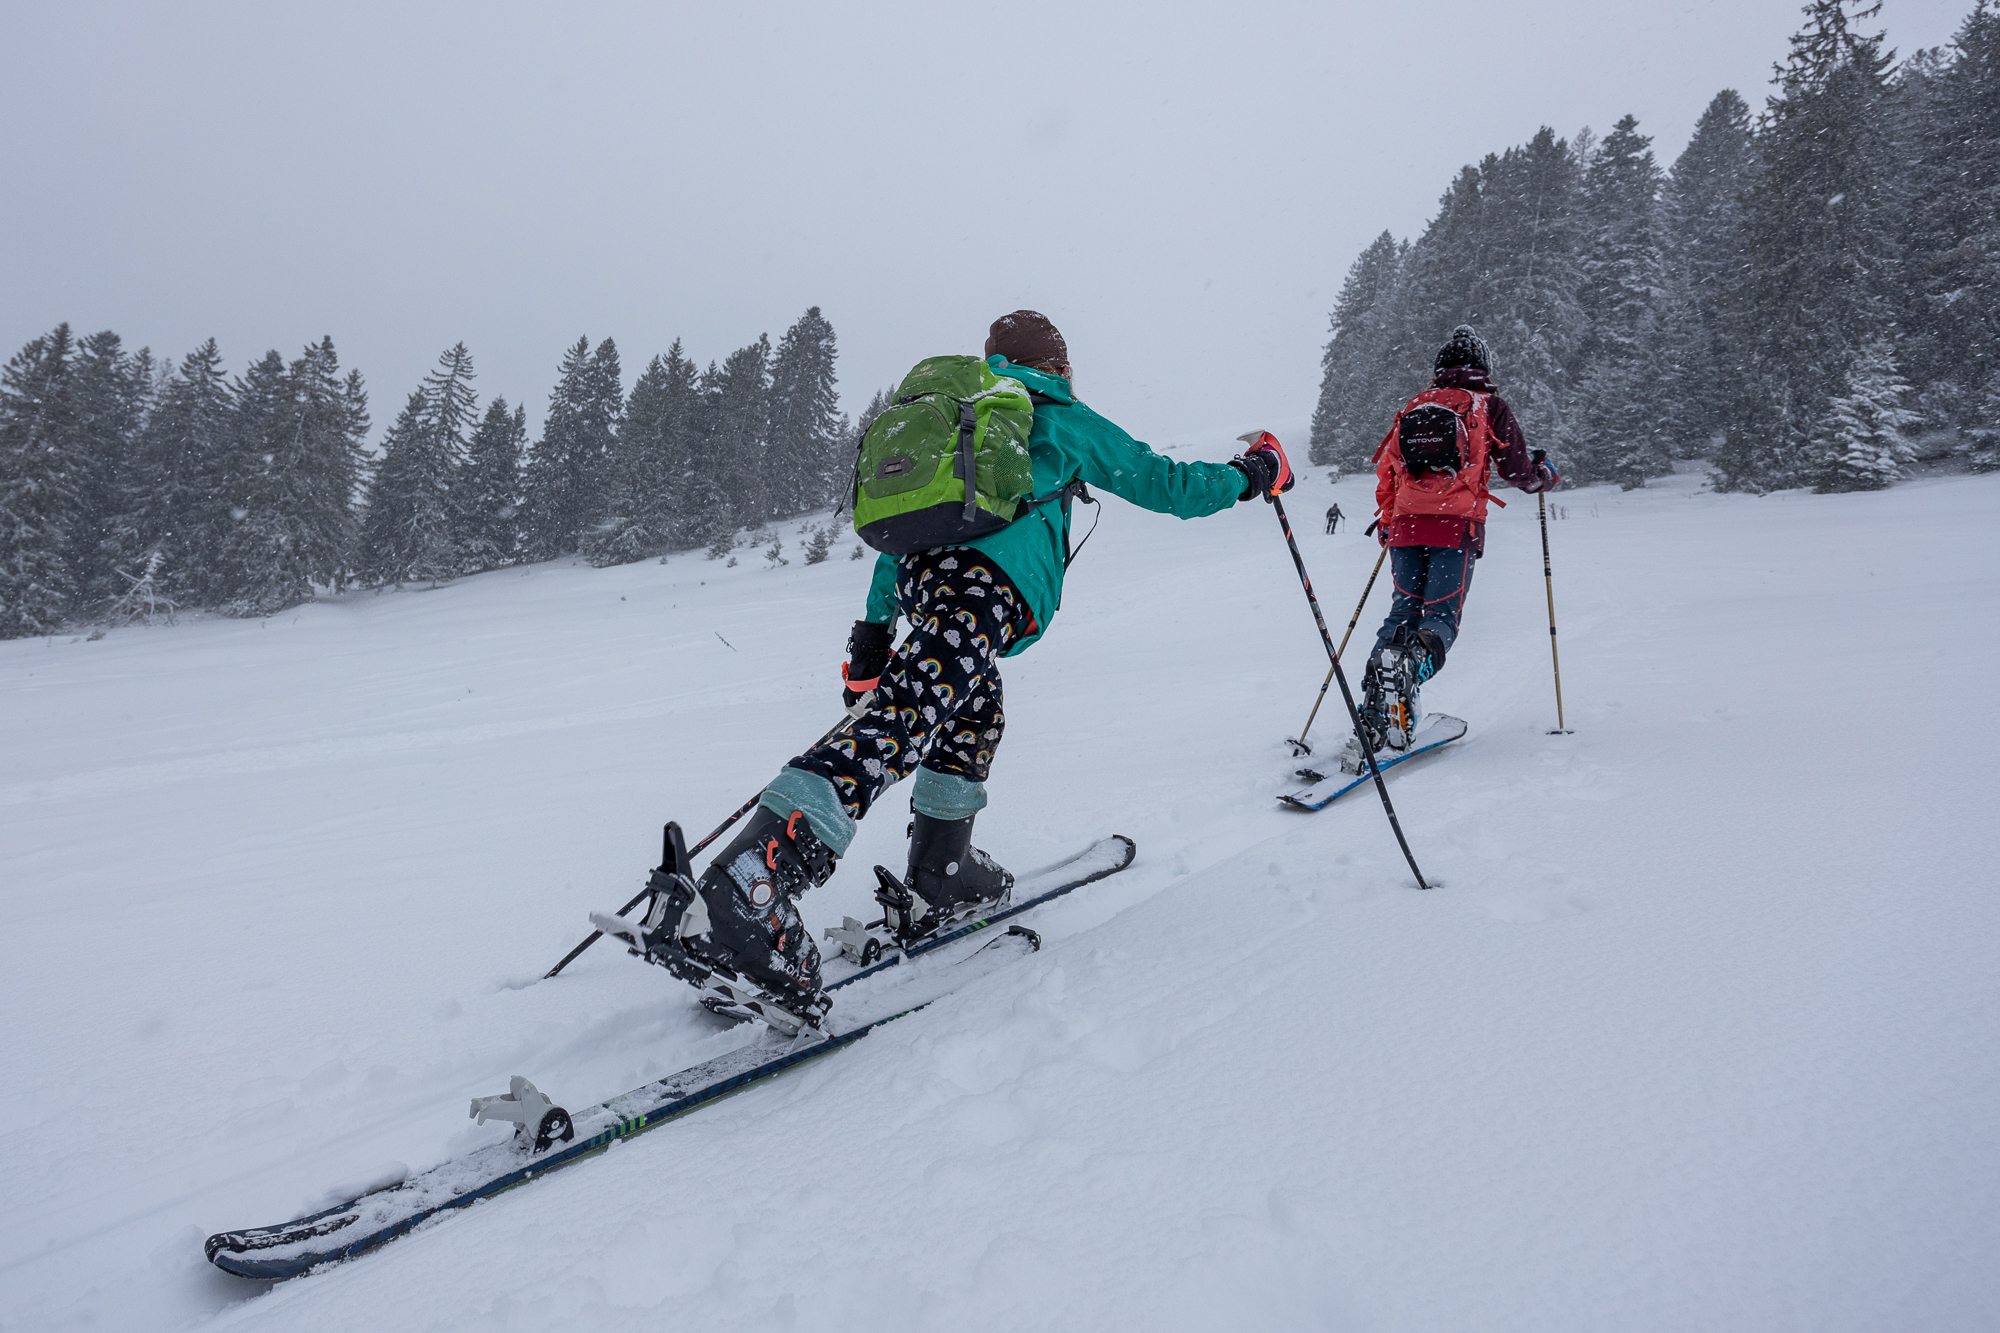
1697, 1031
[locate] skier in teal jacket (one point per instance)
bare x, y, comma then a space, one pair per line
934, 702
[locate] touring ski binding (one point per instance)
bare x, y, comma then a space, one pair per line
537, 1120
675, 914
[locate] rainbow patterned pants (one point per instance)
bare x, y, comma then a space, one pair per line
939, 701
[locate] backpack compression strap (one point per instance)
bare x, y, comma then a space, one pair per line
967, 423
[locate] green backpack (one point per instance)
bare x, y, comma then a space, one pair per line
953, 419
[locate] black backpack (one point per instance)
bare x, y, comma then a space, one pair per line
1431, 438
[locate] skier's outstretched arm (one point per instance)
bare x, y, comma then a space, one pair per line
1112, 460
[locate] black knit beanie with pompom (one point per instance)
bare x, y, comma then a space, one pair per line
1466, 348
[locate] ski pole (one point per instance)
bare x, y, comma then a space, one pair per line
1299, 746
1542, 505
860, 706
1326, 638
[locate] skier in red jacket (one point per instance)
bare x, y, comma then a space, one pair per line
1431, 473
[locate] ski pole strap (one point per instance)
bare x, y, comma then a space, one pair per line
859, 686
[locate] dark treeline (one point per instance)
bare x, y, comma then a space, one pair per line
1798, 299
129, 488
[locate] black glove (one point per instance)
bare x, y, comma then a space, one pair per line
867, 656
1265, 469
1545, 470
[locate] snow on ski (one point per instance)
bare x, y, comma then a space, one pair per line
894, 991
1437, 730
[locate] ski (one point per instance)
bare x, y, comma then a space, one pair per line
1433, 732
548, 1138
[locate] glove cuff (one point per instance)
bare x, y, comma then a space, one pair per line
867, 634
1255, 476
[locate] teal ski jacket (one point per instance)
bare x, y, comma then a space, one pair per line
1070, 442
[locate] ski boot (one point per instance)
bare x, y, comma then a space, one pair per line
1391, 688
1375, 709
736, 935
949, 880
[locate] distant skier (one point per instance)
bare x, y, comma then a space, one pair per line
1430, 500
1333, 517
936, 711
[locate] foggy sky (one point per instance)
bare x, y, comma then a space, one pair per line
1180, 186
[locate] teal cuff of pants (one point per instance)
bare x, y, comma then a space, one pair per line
946, 795
796, 789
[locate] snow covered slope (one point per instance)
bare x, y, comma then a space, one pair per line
1699, 1030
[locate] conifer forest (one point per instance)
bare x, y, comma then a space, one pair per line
134, 488
1809, 296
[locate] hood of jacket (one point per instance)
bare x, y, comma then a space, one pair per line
1462, 377
1038, 381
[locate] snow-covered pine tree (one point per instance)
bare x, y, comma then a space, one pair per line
409, 535
174, 492
564, 481
1950, 222
40, 506
1615, 431
734, 452
707, 514
260, 564
1702, 211
486, 504
1442, 273
1361, 372
1861, 444
607, 401
331, 423
1527, 298
1819, 253
298, 430
637, 483
112, 391
687, 500
806, 458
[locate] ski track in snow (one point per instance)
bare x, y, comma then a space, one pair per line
1698, 1030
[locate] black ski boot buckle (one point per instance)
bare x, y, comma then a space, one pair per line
899, 908
807, 860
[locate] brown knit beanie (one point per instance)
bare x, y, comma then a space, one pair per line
1027, 338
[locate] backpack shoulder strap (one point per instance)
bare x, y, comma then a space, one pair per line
1073, 488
